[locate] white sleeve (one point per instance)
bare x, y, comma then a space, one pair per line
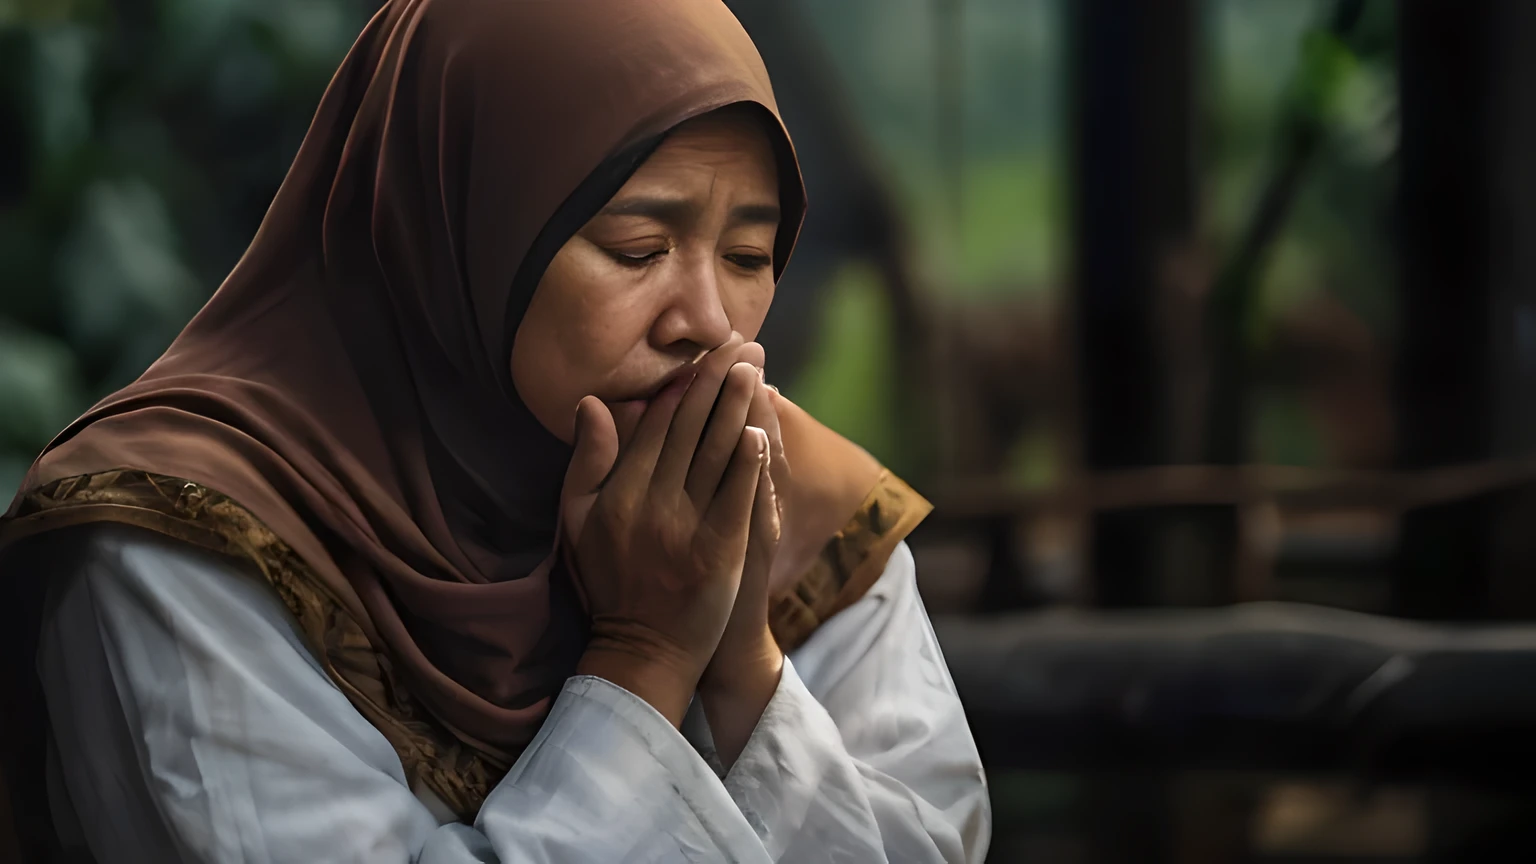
864, 753
192, 725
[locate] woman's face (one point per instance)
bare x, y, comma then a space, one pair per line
680, 258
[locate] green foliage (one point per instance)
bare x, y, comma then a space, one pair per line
40, 374
1265, 60
1034, 461
1325, 66
1007, 237
1337, 238
139, 147
1287, 434
849, 381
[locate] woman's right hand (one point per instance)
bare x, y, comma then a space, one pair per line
660, 548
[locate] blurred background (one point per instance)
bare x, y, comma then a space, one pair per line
1208, 325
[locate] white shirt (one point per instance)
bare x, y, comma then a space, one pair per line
191, 724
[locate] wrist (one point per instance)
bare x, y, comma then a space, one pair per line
665, 682
751, 668
735, 691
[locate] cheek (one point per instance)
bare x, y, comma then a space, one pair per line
747, 306
540, 372
575, 336
549, 375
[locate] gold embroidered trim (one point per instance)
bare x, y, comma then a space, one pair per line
460, 774
850, 562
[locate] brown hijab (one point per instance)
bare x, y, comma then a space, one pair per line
349, 385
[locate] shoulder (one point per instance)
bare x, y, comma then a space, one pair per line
882, 634
127, 579
893, 596
898, 582
164, 621
830, 476
102, 553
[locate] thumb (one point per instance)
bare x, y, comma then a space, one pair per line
597, 448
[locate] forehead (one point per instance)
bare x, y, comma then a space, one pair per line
725, 145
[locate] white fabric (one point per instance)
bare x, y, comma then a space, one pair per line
191, 724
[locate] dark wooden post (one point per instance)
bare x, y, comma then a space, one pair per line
1134, 115
1466, 371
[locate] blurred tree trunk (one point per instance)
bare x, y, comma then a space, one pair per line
1466, 368
1136, 196
1134, 182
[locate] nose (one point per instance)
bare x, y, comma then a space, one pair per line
694, 317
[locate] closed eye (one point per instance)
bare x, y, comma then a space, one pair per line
629, 259
749, 262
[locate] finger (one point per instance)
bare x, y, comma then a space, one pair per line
723, 433
597, 447
729, 514
638, 461
752, 352
765, 416
693, 415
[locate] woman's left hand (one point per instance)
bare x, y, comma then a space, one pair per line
741, 678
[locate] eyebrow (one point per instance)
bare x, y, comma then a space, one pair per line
754, 214
679, 210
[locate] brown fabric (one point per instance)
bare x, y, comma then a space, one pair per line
349, 384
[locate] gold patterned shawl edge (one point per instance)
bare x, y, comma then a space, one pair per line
460, 774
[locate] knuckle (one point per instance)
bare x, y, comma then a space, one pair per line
718, 361
722, 358
706, 541
606, 519
712, 379
616, 501
673, 536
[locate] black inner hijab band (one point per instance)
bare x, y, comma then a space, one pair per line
591, 196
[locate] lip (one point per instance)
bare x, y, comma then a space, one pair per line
681, 373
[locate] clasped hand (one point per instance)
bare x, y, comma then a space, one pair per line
674, 539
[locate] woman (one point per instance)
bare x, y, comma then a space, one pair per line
460, 526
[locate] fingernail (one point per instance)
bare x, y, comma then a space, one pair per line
771, 387
762, 439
